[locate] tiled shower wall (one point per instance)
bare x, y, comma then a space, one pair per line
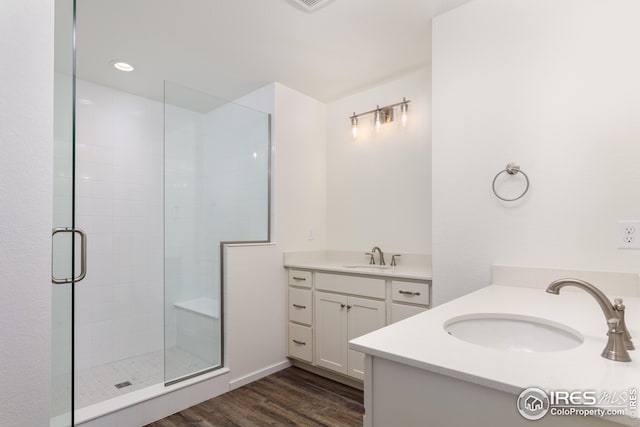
119, 305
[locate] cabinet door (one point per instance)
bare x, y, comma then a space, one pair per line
331, 331
364, 316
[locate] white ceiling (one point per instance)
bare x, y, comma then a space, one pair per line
231, 47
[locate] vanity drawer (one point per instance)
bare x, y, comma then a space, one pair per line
300, 278
300, 342
411, 292
402, 311
364, 286
300, 305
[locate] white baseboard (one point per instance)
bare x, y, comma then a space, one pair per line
254, 376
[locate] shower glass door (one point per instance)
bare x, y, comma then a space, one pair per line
62, 268
217, 157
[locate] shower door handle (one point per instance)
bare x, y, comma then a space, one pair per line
83, 255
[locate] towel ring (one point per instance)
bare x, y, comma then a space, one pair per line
511, 169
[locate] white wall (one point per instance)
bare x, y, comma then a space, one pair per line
552, 85
26, 136
300, 136
379, 185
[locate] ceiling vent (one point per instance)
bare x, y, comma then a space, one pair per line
310, 5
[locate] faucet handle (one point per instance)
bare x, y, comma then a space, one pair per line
372, 260
393, 259
619, 307
615, 349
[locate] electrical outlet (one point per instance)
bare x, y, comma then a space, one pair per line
628, 236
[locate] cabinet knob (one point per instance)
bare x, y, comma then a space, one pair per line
342, 306
348, 307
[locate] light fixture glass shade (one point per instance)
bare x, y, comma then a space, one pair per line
354, 126
378, 119
404, 107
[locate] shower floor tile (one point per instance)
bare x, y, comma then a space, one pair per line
99, 383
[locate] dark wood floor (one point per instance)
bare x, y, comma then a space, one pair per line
291, 397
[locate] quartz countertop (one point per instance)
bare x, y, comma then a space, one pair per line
422, 342
410, 266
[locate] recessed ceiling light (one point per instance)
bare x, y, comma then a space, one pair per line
122, 66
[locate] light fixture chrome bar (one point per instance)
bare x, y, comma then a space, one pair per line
355, 116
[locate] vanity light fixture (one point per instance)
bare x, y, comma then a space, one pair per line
381, 115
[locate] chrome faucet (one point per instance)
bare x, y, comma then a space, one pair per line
373, 251
619, 337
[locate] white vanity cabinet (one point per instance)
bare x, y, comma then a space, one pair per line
327, 309
340, 318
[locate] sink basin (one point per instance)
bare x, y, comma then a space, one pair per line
513, 332
368, 268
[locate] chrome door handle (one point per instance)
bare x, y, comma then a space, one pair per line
83, 255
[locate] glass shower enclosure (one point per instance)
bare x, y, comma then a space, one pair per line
217, 157
148, 189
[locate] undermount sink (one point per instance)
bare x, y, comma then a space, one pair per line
368, 268
513, 332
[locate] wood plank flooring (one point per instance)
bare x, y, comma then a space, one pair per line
291, 397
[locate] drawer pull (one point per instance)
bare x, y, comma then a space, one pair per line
299, 278
299, 306
300, 342
411, 294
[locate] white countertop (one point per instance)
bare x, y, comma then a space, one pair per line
422, 342
410, 266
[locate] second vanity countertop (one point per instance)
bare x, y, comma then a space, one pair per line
410, 266
422, 342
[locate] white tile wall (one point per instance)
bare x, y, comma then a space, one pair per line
119, 308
